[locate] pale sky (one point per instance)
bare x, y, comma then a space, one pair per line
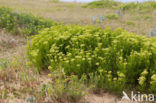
95, 0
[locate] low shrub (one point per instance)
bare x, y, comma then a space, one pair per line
22, 23
111, 16
130, 5
130, 23
145, 6
122, 56
147, 17
140, 6
103, 4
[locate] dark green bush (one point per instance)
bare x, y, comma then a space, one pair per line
22, 23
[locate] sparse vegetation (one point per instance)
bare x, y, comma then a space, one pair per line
62, 12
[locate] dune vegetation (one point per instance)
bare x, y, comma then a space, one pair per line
56, 58
146, 6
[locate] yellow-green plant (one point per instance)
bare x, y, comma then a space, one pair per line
153, 83
143, 79
84, 49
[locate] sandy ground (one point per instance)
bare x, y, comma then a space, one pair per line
104, 98
90, 98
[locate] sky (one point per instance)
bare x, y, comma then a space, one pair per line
95, 0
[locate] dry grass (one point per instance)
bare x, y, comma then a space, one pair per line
18, 82
9, 43
64, 12
71, 13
